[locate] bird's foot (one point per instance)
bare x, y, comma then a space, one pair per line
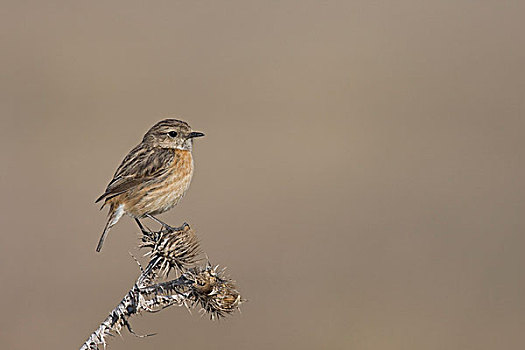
174, 228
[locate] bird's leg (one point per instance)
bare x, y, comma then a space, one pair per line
144, 231
165, 225
162, 223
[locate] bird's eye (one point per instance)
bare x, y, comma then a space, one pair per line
172, 134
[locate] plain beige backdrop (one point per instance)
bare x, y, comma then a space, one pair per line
362, 174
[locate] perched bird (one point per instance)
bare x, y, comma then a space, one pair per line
153, 177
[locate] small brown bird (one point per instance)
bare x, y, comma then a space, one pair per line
153, 177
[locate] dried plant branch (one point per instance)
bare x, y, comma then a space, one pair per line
205, 286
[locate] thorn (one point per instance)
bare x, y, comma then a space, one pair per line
138, 262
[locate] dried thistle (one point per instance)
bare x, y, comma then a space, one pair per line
205, 286
172, 248
215, 292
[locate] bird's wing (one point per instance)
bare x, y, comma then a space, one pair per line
142, 164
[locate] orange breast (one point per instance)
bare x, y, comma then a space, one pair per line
166, 192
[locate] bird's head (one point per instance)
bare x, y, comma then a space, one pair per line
171, 133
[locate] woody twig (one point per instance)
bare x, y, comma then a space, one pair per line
195, 285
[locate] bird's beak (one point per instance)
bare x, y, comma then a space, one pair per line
194, 134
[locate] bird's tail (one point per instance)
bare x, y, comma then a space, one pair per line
114, 216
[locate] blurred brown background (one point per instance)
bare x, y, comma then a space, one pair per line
361, 177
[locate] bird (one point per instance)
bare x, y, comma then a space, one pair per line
153, 177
